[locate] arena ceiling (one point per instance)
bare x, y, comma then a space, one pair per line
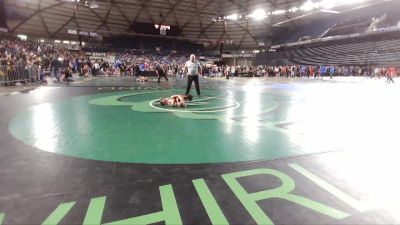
196, 18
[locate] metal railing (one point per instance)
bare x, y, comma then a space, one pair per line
10, 75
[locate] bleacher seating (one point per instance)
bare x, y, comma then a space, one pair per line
390, 21
350, 27
293, 35
384, 52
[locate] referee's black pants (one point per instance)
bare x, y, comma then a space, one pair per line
190, 79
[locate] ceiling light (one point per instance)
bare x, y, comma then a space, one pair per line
258, 14
278, 12
328, 4
352, 1
308, 6
233, 17
22, 37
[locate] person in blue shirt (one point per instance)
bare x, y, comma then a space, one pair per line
302, 71
323, 70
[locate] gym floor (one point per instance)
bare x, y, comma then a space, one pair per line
247, 151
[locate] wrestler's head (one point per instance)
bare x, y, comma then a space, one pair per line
163, 101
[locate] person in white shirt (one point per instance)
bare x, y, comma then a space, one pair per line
375, 73
233, 69
192, 69
96, 68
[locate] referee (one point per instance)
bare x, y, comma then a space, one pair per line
192, 69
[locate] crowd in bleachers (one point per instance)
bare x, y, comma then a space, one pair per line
133, 62
28, 61
17, 58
